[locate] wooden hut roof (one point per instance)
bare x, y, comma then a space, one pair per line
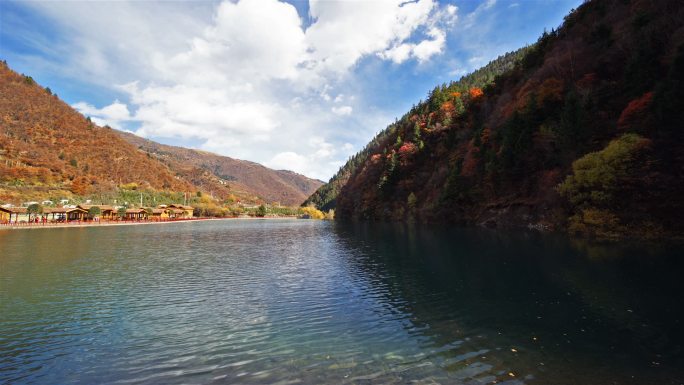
71, 210
183, 207
55, 210
14, 210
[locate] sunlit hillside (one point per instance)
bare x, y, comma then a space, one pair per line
583, 133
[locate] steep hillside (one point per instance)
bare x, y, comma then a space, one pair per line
583, 133
213, 172
325, 197
49, 150
46, 144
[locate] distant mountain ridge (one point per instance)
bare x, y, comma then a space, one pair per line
48, 149
214, 171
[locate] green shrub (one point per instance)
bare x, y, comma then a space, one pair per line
261, 211
601, 185
597, 176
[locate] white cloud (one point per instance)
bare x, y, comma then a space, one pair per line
342, 110
250, 40
433, 44
288, 160
244, 78
112, 115
344, 31
427, 48
399, 53
307, 162
200, 112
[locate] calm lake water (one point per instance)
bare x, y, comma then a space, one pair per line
312, 302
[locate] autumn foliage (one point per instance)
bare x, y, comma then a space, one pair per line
530, 139
406, 150
48, 148
551, 91
80, 186
43, 141
475, 93
635, 111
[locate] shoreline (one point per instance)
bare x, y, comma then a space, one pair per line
111, 224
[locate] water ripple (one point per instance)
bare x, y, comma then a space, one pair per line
281, 302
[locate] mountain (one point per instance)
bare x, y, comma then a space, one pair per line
213, 172
45, 145
581, 133
49, 150
325, 197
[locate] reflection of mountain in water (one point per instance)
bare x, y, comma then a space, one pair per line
314, 302
540, 307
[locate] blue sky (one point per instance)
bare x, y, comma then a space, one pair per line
300, 85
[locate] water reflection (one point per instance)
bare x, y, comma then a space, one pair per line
542, 306
314, 302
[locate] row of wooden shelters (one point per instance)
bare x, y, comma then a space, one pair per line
19, 214
107, 212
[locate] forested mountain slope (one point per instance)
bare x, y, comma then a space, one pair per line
46, 144
584, 133
48, 150
212, 172
325, 197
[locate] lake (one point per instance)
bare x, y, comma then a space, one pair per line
312, 302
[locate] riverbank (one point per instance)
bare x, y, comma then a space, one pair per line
48, 225
30, 226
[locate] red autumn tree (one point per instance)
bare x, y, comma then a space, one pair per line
407, 148
475, 93
635, 111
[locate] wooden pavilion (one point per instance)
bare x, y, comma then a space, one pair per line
13, 214
136, 214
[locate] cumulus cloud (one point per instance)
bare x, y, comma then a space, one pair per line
316, 152
112, 115
434, 42
344, 31
246, 78
250, 40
